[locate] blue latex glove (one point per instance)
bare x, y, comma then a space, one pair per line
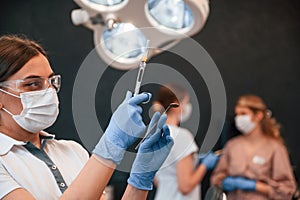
125, 127
151, 154
232, 183
209, 160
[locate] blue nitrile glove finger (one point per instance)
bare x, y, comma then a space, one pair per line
228, 184
125, 127
151, 155
238, 183
140, 98
210, 160
201, 156
245, 184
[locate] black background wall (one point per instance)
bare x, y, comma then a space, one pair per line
255, 44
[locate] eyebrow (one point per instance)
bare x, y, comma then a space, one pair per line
35, 76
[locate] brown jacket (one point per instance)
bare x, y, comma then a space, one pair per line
269, 163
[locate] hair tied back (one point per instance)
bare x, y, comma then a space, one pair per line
268, 113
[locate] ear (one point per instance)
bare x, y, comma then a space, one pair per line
259, 115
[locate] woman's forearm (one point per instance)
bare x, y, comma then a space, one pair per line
188, 177
262, 187
132, 193
92, 180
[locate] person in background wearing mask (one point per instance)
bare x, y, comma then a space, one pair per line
181, 173
255, 165
34, 165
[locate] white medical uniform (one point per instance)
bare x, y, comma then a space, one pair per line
21, 169
184, 145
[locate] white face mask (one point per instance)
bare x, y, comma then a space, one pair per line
186, 113
40, 109
244, 124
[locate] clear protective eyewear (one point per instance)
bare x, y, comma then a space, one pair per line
33, 84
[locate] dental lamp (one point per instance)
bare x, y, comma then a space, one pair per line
123, 27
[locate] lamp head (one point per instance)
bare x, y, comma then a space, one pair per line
124, 26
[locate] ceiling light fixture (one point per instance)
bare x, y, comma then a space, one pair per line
122, 27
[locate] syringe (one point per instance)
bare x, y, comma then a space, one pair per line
141, 70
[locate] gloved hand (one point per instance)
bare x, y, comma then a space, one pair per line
125, 127
232, 183
151, 154
209, 160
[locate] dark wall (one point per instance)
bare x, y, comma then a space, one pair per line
255, 44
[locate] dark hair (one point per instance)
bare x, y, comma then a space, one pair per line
15, 52
170, 93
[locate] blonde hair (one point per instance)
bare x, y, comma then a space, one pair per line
269, 125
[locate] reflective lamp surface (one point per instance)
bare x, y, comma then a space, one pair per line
174, 14
124, 40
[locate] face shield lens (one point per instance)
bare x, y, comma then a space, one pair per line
124, 40
174, 14
106, 2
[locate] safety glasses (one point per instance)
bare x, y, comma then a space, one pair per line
33, 84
